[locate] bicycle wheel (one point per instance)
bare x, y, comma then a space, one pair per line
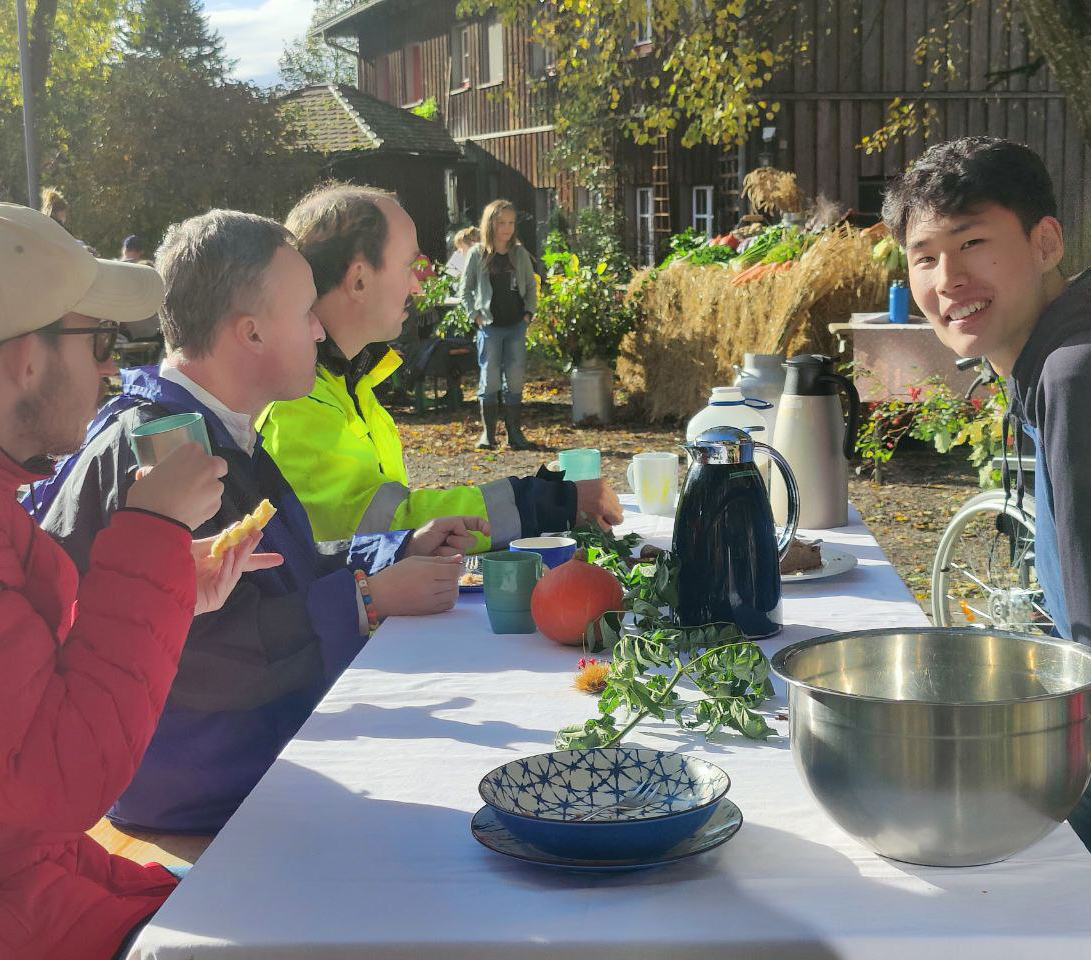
984, 573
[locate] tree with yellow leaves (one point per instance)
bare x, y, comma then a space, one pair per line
637, 69
73, 43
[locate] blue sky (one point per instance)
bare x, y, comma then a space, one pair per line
255, 32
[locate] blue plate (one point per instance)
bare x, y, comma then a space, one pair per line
541, 799
719, 828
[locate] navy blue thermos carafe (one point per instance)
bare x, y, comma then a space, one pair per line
724, 537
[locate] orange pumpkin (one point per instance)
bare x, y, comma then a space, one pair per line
569, 598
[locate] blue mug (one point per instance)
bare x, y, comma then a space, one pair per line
554, 550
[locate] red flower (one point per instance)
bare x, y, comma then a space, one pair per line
914, 394
423, 269
978, 403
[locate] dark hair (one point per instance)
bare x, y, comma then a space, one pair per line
336, 223
960, 176
133, 242
212, 265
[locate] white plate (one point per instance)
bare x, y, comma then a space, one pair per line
834, 563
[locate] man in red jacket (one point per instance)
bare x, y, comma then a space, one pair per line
85, 666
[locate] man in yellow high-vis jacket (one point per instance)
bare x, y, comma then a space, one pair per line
338, 448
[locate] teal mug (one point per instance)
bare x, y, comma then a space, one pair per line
584, 464
152, 441
510, 578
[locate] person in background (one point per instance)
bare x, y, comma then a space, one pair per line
978, 219
54, 205
499, 291
339, 448
240, 334
85, 664
465, 240
134, 249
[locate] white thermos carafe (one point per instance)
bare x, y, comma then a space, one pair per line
813, 437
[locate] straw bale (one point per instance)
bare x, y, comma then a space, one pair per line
696, 324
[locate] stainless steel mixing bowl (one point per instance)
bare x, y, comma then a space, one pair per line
946, 747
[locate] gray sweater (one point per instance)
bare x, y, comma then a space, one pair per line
475, 290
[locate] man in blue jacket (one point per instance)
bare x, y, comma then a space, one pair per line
241, 333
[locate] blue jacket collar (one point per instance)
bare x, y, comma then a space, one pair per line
146, 383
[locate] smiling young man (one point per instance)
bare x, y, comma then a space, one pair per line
978, 218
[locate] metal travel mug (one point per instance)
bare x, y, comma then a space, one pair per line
154, 440
899, 302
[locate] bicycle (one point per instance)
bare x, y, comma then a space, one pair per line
984, 574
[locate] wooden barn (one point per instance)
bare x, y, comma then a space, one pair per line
861, 57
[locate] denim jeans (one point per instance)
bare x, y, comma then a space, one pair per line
502, 356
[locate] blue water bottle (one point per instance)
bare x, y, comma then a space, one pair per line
899, 302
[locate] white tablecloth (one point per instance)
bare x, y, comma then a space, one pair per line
357, 842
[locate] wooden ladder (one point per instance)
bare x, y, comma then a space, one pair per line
729, 200
661, 193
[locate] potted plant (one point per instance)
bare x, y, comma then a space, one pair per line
583, 315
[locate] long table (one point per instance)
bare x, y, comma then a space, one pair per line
357, 841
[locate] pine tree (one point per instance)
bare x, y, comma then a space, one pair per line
176, 30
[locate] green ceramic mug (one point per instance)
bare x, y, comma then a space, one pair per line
581, 464
154, 440
509, 581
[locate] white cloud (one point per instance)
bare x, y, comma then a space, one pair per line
255, 32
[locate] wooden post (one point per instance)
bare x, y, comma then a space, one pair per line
27, 86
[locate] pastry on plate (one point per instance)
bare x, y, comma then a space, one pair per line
802, 555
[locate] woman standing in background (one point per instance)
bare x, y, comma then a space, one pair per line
500, 292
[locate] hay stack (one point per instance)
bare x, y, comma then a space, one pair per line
696, 324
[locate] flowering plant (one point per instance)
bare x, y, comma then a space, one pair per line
934, 413
583, 312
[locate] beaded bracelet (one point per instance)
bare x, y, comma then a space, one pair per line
369, 603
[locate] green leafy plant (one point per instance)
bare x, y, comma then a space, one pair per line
435, 283
653, 655
457, 322
934, 413
437, 286
583, 312
429, 109
696, 248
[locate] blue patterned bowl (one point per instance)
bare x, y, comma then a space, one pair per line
540, 800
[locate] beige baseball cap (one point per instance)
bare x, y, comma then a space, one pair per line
46, 273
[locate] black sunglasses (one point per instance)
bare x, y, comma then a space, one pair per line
105, 337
